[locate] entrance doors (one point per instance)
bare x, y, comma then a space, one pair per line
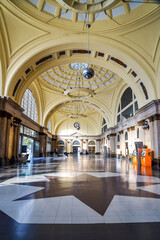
26, 146
76, 149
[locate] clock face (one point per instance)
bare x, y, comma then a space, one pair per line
76, 125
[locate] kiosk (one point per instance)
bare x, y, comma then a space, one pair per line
146, 157
134, 157
138, 147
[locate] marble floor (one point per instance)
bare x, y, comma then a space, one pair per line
79, 197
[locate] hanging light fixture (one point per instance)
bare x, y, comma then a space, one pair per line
88, 72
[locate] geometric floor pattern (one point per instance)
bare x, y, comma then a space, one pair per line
139, 204
74, 198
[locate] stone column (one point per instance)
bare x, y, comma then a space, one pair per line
71, 146
16, 133
8, 135
155, 135
5, 120
65, 145
112, 144
87, 150
98, 146
53, 145
43, 141
81, 145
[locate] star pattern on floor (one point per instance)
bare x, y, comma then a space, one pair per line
97, 193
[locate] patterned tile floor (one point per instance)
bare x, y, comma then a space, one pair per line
86, 197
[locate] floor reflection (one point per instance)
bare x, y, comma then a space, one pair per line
74, 163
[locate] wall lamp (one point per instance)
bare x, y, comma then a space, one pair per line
14, 123
145, 125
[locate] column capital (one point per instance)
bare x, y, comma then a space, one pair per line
5, 114
154, 117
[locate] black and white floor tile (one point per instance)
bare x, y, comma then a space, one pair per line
65, 193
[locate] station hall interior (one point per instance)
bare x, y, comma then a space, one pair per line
79, 119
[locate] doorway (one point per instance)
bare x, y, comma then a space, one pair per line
26, 146
91, 149
126, 149
75, 150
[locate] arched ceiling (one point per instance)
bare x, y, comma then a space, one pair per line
111, 14
38, 30
68, 76
76, 110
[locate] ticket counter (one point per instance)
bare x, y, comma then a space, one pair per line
146, 158
134, 157
137, 156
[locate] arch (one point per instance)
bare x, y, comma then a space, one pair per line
92, 122
76, 143
111, 46
91, 143
100, 107
60, 142
109, 65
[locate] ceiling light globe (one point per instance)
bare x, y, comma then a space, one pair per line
88, 73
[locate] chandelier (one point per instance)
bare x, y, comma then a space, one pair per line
88, 72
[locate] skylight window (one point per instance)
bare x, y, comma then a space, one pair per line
66, 15
81, 17
78, 66
100, 16
106, 83
34, 2
134, 5
117, 11
50, 81
93, 87
111, 80
49, 8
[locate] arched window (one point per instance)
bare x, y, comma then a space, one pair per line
126, 135
76, 143
128, 105
29, 105
91, 143
60, 142
49, 126
104, 126
137, 132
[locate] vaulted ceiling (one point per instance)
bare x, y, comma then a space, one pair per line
44, 47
